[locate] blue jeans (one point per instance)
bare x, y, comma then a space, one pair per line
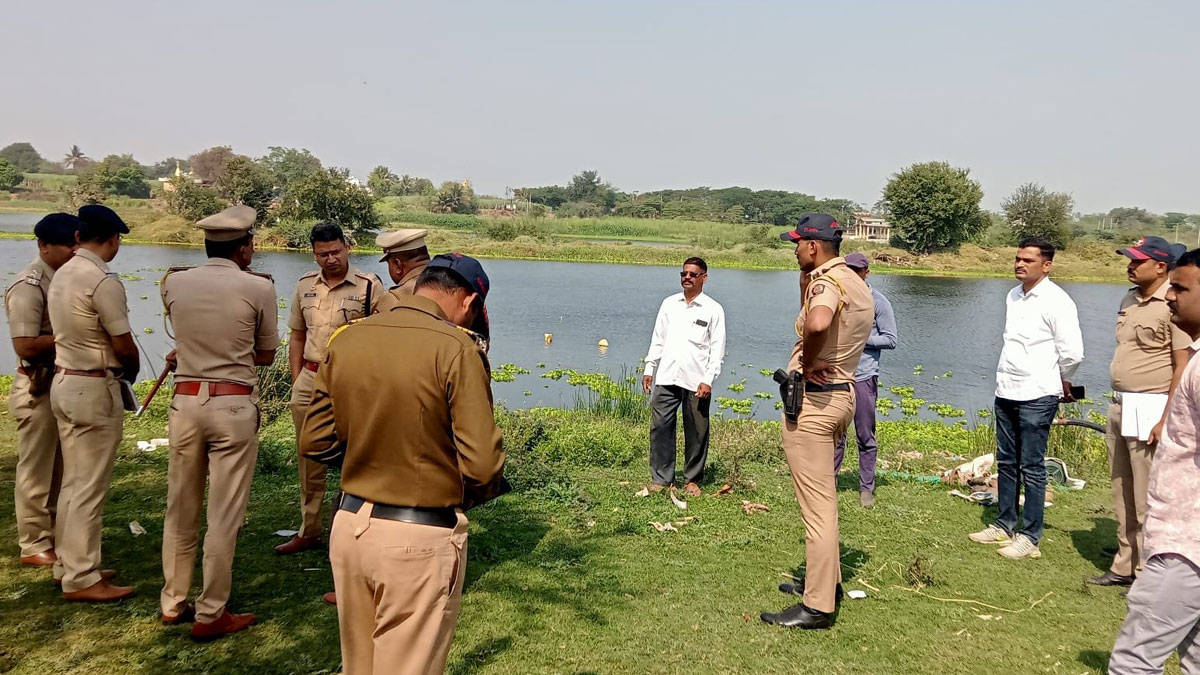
1022, 430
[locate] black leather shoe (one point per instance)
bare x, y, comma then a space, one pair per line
798, 589
1110, 578
798, 616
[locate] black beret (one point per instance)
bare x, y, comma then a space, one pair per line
57, 228
100, 218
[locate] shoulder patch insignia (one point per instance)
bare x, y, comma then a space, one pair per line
817, 289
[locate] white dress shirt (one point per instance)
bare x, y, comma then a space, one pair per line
1042, 343
688, 343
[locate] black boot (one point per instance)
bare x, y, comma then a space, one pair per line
798, 589
798, 616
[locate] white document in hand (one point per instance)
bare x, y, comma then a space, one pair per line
1139, 414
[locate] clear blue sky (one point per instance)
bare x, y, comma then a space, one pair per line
1094, 98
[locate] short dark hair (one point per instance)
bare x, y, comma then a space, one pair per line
1189, 259
225, 249
1043, 246
444, 279
832, 247
95, 232
698, 262
326, 232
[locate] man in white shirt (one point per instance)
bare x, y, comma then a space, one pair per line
1042, 350
684, 359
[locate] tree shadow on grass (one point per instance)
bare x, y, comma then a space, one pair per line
1091, 543
532, 576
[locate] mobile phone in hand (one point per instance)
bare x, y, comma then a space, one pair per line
1077, 392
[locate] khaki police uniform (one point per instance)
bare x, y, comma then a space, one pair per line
318, 310
1141, 363
399, 584
87, 308
38, 474
398, 241
810, 441
221, 315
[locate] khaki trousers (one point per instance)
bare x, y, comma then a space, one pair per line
312, 474
399, 587
216, 438
1129, 465
90, 418
809, 445
39, 467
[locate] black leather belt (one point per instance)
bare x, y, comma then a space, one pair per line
443, 517
813, 387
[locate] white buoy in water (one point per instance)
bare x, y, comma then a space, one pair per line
603, 342
549, 338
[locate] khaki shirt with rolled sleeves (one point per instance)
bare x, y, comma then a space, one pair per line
87, 308
836, 286
441, 446
318, 310
1145, 339
221, 315
25, 302
406, 287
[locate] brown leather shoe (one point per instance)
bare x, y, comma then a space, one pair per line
105, 575
692, 489
43, 559
296, 545
101, 591
226, 624
330, 598
187, 615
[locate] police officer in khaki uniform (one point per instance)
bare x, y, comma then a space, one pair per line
409, 470
39, 460
406, 256
1149, 359
225, 324
94, 348
834, 323
324, 301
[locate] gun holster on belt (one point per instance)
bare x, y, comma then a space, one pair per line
40, 376
791, 390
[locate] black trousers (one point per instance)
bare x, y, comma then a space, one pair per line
664, 402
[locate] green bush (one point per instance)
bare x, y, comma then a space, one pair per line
294, 233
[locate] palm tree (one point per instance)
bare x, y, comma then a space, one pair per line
74, 157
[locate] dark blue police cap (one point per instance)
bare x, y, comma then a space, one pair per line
815, 226
100, 218
57, 228
471, 272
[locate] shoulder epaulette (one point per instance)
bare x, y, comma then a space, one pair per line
34, 277
264, 275
310, 273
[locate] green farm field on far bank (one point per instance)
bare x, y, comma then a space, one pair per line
619, 240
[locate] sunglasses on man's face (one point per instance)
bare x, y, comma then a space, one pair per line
686, 275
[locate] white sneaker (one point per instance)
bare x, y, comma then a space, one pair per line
1021, 547
992, 534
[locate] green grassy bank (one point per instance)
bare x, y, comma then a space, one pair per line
619, 240
566, 574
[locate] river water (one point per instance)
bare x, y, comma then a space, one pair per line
947, 325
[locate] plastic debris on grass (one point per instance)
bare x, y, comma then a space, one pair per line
677, 501
857, 594
136, 528
152, 444
286, 533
